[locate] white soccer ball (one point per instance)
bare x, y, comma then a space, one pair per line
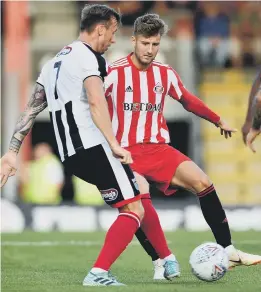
209, 261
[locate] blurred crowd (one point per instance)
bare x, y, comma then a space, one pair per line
227, 33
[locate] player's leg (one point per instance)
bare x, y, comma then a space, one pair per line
151, 216
147, 157
116, 183
151, 224
150, 250
188, 175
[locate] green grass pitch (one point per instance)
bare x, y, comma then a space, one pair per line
58, 262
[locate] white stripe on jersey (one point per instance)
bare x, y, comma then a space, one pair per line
115, 120
69, 143
119, 65
144, 94
160, 64
119, 61
154, 129
127, 114
165, 134
120, 174
57, 136
174, 80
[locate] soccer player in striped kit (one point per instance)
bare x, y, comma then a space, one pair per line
71, 86
136, 87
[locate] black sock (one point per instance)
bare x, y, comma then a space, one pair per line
146, 244
215, 215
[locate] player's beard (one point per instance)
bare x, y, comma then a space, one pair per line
144, 63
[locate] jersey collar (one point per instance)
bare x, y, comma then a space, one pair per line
133, 65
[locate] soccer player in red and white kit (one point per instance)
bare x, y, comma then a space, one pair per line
136, 87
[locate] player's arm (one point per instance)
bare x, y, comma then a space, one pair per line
101, 117
255, 130
35, 105
193, 104
249, 116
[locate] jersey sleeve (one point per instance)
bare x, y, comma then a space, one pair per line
90, 65
108, 83
175, 85
40, 79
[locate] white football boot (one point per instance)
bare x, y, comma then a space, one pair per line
239, 258
101, 279
158, 270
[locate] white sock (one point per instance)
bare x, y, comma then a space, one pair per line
98, 270
231, 250
158, 262
171, 257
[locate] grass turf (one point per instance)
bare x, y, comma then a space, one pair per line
61, 260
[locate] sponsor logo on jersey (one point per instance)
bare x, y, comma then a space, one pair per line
141, 106
64, 51
109, 195
158, 88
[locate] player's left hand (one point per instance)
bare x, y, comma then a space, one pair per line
245, 130
225, 129
251, 136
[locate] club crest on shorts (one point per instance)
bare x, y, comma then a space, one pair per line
135, 183
109, 195
158, 88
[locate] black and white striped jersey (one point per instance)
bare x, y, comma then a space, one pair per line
62, 78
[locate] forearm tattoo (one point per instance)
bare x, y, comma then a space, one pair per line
257, 111
35, 105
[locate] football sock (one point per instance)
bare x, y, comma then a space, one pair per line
215, 216
171, 257
98, 270
117, 238
152, 228
146, 244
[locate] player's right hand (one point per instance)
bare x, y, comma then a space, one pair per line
8, 166
245, 130
120, 153
225, 129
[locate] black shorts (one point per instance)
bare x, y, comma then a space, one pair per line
99, 167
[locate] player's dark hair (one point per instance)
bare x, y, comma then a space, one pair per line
150, 25
96, 13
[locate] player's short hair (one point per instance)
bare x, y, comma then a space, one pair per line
150, 25
95, 14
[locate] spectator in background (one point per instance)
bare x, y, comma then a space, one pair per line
130, 10
42, 178
85, 193
187, 5
245, 31
212, 31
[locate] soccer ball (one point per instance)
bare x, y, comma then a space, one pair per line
209, 262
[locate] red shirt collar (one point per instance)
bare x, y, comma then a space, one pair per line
133, 65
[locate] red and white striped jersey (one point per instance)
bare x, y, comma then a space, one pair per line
136, 101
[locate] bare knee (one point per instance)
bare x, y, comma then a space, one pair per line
135, 207
202, 183
144, 186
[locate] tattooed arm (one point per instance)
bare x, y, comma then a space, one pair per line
249, 116
256, 124
257, 111
35, 105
